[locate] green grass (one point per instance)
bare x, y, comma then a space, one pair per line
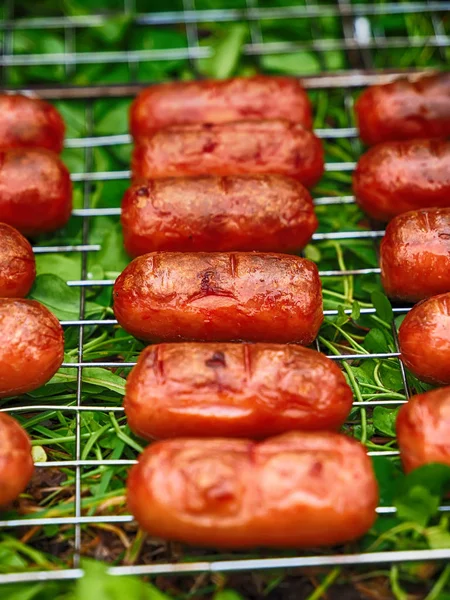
105, 435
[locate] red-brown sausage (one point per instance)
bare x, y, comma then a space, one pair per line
238, 148
424, 338
241, 98
405, 110
415, 255
31, 346
423, 429
16, 463
295, 490
35, 191
397, 177
29, 123
234, 390
216, 214
171, 296
17, 263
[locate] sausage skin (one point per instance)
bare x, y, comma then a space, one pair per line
16, 463
424, 338
241, 98
29, 123
215, 214
397, 177
238, 148
173, 296
423, 429
35, 191
31, 346
234, 390
295, 490
405, 109
17, 263
415, 255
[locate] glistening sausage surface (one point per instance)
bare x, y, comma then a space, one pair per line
16, 463
17, 263
415, 255
405, 110
172, 296
216, 214
238, 148
296, 490
424, 338
35, 191
31, 346
397, 177
249, 98
234, 390
423, 429
29, 123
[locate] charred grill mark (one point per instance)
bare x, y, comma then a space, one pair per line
233, 265
217, 360
143, 191
209, 287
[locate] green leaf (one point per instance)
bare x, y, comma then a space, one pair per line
113, 31
382, 306
438, 536
376, 342
297, 63
420, 492
112, 256
96, 376
356, 310
312, 252
388, 476
226, 53
227, 595
65, 266
62, 300
384, 420
22, 592
342, 316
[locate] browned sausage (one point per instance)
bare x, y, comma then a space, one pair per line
16, 463
265, 212
171, 296
296, 490
238, 148
31, 346
423, 429
415, 255
234, 390
397, 177
404, 110
249, 98
35, 191
17, 263
29, 123
424, 338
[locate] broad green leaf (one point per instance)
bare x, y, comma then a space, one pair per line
112, 256
376, 342
227, 595
226, 53
60, 299
388, 476
312, 252
384, 420
65, 266
356, 310
297, 63
420, 492
382, 306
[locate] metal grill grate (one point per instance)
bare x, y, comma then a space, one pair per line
363, 42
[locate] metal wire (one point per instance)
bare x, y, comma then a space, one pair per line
354, 18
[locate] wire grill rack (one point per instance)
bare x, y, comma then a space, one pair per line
361, 41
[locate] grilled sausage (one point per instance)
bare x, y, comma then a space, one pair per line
404, 110
16, 463
17, 263
234, 390
241, 98
423, 429
35, 191
239, 148
29, 123
171, 296
424, 338
265, 212
31, 346
397, 177
295, 490
415, 255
